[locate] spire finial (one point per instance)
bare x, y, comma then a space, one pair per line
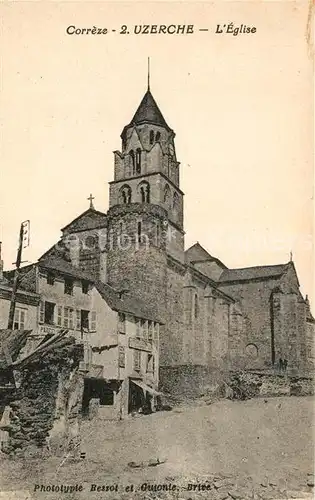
148, 73
90, 199
291, 256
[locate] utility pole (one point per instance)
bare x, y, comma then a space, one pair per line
23, 239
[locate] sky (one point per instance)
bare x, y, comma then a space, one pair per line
241, 107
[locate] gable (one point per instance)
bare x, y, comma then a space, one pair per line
90, 219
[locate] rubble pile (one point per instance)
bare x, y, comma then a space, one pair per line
42, 404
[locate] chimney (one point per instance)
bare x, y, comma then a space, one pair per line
1, 264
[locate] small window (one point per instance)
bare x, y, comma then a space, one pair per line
139, 231
138, 161
151, 136
92, 322
50, 278
19, 319
158, 136
196, 306
121, 357
136, 360
49, 313
133, 162
85, 287
107, 397
68, 286
84, 320
121, 323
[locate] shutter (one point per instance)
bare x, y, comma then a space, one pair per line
42, 312
22, 320
66, 317
78, 319
59, 315
92, 325
71, 319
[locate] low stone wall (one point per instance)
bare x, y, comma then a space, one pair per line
190, 380
250, 384
193, 381
44, 410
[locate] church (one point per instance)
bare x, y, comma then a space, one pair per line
214, 319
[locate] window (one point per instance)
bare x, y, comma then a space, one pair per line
19, 319
121, 323
85, 287
139, 231
144, 191
125, 195
66, 317
50, 278
133, 163
138, 161
196, 306
42, 312
68, 286
84, 320
49, 312
59, 315
157, 233
151, 136
158, 136
136, 360
121, 357
92, 322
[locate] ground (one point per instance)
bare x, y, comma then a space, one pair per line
260, 448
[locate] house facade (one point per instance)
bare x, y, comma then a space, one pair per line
120, 338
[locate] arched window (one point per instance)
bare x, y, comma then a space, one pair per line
138, 161
166, 194
125, 194
196, 306
158, 136
151, 136
144, 192
133, 163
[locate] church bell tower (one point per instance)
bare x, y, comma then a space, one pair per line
145, 218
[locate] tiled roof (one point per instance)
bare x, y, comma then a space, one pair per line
253, 273
148, 111
126, 303
64, 267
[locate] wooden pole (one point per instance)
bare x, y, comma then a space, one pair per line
16, 280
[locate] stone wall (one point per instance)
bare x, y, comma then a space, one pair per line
44, 410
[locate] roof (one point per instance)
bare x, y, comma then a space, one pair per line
253, 273
90, 219
126, 303
197, 253
64, 267
148, 112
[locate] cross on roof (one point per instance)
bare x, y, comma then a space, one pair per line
90, 199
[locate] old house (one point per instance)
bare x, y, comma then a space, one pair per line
120, 336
